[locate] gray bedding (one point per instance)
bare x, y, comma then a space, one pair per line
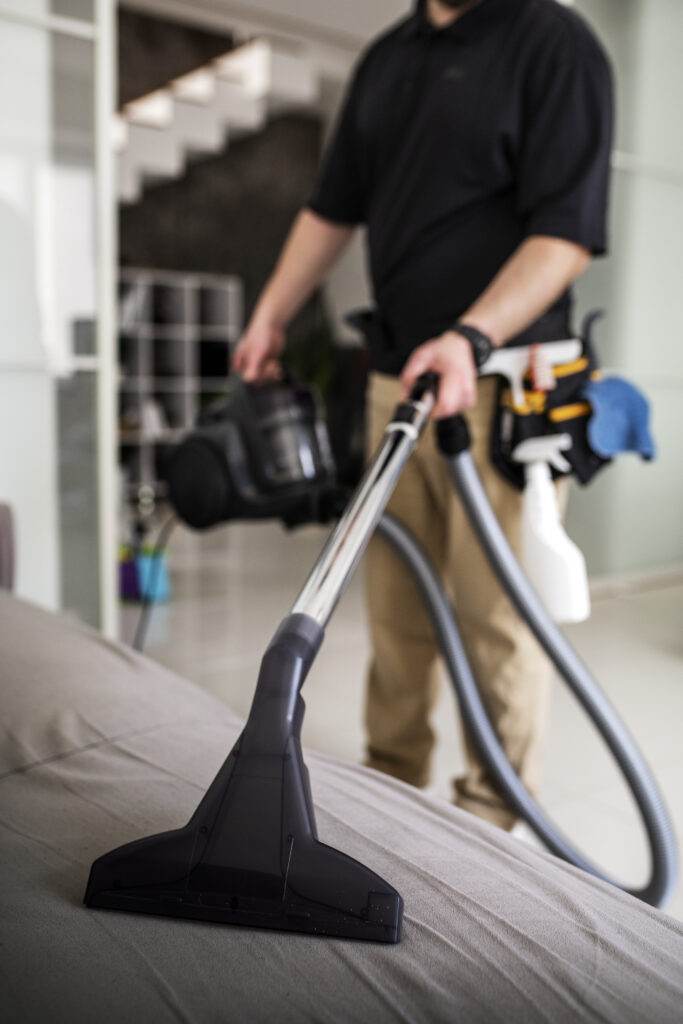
99, 746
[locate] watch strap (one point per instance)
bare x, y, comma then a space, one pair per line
481, 344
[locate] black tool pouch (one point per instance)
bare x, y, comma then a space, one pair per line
560, 411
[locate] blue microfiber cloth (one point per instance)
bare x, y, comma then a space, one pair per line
620, 420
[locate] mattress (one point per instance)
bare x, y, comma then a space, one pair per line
99, 746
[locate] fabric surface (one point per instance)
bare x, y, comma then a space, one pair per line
99, 747
621, 418
513, 671
455, 145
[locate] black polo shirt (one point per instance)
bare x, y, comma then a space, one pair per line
454, 145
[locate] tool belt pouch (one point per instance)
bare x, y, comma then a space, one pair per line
559, 411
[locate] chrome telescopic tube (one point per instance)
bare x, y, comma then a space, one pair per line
349, 539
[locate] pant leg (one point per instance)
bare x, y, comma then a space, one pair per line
401, 685
512, 671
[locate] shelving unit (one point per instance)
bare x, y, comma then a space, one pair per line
175, 335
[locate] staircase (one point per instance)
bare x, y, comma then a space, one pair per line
197, 114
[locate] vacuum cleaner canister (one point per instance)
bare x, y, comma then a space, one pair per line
259, 452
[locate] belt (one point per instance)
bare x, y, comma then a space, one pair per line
389, 352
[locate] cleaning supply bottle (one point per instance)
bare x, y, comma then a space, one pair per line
552, 561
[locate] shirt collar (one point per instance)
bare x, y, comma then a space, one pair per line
419, 25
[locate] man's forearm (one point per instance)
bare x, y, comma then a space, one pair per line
526, 286
312, 248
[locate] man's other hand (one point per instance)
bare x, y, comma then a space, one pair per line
449, 355
257, 356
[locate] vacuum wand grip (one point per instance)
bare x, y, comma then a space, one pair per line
348, 540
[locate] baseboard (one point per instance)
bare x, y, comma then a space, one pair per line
644, 581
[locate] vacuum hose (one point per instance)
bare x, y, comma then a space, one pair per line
645, 791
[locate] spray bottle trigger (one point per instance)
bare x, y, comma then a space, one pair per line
545, 449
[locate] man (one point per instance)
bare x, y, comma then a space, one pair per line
474, 144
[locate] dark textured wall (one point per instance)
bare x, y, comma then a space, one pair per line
229, 213
152, 51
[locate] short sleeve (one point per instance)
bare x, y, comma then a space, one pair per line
339, 194
564, 161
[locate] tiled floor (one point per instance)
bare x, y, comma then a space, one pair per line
232, 586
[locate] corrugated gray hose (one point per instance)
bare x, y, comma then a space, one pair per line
664, 863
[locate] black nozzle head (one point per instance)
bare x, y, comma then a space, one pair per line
453, 435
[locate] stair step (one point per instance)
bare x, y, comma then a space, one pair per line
152, 111
129, 180
197, 86
232, 95
267, 73
293, 80
119, 133
239, 109
154, 152
198, 127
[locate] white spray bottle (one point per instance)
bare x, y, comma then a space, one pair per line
552, 561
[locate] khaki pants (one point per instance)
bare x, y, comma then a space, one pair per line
508, 663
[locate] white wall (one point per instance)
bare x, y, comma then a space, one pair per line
631, 517
356, 18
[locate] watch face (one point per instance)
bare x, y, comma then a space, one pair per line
483, 351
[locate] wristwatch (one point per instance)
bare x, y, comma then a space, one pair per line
481, 344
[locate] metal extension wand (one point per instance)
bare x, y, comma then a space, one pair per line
348, 541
